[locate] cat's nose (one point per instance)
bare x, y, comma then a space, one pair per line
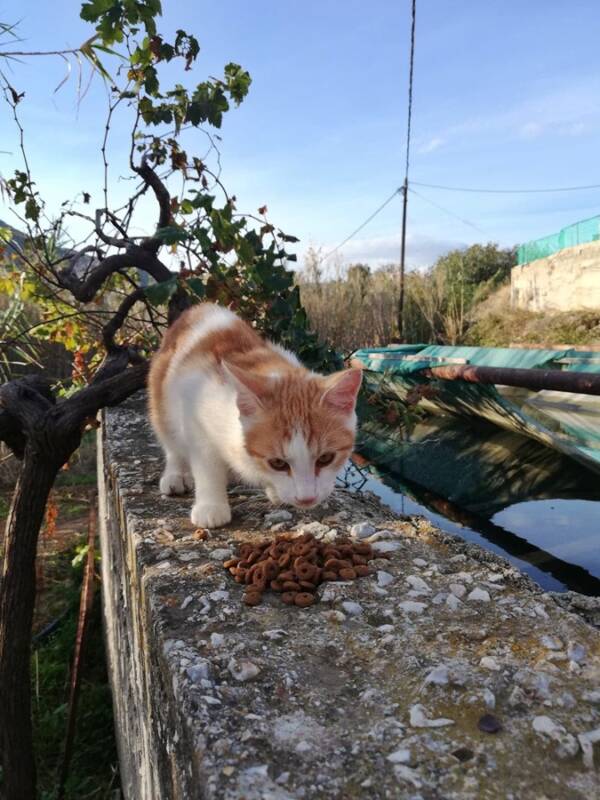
305, 501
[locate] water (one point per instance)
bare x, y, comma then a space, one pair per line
507, 493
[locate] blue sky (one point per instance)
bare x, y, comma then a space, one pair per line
507, 95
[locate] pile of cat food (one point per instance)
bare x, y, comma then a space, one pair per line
294, 567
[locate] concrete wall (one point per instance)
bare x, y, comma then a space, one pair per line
376, 691
565, 281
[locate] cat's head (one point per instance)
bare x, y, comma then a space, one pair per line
299, 430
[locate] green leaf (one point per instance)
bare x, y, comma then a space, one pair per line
197, 287
160, 293
172, 234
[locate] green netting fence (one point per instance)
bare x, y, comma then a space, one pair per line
588, 230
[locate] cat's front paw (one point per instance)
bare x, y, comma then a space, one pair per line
210, 515
272, 495
176, 483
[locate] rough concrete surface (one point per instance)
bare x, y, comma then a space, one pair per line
568, 280
445, 674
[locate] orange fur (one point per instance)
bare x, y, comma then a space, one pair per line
284, 411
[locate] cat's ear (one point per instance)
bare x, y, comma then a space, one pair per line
342, 390
251, 389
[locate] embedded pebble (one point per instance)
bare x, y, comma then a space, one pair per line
354, 609
551, 642
217, 639
420, 562
568, 745
275, 635
384, 578
420, 719
220, 554
277, 516
401, 756
488, 723
316, 529
387, 547
243, 670
479, 594
487, 662
360, 530
587, 740
412, 607
453, 602
418, 584
576, 652
438, 675
458, 590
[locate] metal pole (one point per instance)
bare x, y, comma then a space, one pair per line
401, 331
534, 379
402, 255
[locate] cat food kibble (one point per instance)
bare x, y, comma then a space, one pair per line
294, 567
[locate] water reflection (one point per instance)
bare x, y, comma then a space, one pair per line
533, 505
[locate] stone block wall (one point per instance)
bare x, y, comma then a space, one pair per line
565, 281
443, 674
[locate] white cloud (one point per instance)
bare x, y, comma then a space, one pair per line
421, 251
531, 130
560, 111
432, 144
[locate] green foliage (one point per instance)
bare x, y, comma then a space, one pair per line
95, 761
235, 259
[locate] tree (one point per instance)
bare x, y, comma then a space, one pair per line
86, 291
456, 282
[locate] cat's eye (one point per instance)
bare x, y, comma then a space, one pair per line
279, 464
325, 459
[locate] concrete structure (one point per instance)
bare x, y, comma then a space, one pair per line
445, 674
565, 281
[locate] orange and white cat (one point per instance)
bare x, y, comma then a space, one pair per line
223, 400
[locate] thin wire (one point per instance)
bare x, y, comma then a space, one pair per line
363, 225
447, 211
410, 86
506, 191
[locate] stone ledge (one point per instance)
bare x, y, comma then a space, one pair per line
377, 691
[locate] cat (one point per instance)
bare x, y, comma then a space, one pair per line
223, 400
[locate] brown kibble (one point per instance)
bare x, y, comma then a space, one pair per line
304, 599
252, 598
348, 574
270, 569
305, 571
201, 533
295, 565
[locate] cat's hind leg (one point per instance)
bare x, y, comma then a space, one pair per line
177, 476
